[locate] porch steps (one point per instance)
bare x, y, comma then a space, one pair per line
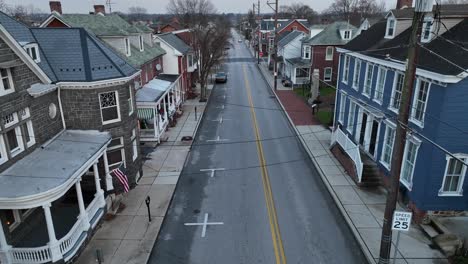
370, 173
442, 238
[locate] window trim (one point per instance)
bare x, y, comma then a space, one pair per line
368, 66
392, 96
355, 84
3, 91
128, 49
3, 151
324, 74
141, 43
133, 140
344, 34
30, 128
327, 57
29, 47
459, 191
342, 108
131, 106
119, 118
429, 37
351, 116
307, 51
417, 122
417, 143
346, 63
388, 125
120, 147
379, 71
388, 27
19, 138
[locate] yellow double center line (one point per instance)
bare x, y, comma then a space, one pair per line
270, 203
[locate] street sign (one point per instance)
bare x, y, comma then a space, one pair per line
401, 221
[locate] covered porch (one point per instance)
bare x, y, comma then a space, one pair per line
297, 70
52, 198
157, 103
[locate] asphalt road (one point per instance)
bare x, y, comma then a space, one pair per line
270, 199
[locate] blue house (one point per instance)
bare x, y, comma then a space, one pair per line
370, 81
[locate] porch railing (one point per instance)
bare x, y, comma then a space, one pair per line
31, 255
92, 209
350, 148
70, 239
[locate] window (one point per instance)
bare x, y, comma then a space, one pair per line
420, 101
128, 51
14, 217
368, 79
346, 69
115, 153
15, 141
6, 86
351, 115
357, 73
294, 28
397, 90
263, 35
390, 28
190, 60
306, 52
327, 74
110, 111
130, 100
28, 133
302, 72
347, 35
342, 107
387, 151
409, 162
134, 145
140, 41
3, 154
33, 52
427, 30
379, 87
454, 177
329, 54
10, 119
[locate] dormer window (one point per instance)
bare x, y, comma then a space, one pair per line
427, 30
347, 35
128, 52
390, 32
140, 41
33, 52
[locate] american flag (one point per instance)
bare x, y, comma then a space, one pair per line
122, 177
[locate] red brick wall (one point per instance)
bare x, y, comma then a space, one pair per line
319, 62
345, 161
167, 28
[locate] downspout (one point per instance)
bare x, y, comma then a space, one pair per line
61, 109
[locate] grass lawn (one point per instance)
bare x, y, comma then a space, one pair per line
324, 116
302, 92
326, 90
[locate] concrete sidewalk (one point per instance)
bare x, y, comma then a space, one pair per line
362, 208
129, 237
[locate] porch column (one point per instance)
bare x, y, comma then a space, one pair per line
99, 192
54, 245
109, 184
156, 123
83, 214
165, 109
5, 256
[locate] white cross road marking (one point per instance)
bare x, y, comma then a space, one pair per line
204, 224
217, 140
220, 120
222, 107
213, 171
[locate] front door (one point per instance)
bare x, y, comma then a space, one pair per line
362, 132
373, 137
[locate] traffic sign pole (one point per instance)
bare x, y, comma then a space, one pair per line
396, 247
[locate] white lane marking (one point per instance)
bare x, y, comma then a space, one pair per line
217, 140
222, 107
220, 120
204, 224
213, 171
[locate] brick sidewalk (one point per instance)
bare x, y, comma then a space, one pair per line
297, 109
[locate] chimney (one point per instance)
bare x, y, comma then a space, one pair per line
99, 9
404, 4
55, 6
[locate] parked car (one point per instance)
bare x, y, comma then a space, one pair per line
221, 77
240, 40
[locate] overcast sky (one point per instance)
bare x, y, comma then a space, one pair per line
159, 6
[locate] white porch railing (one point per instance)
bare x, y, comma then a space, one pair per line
92, 209
70, 239
350, 148
31, 255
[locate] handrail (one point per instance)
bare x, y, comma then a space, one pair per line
350, 148
31, 255
69, 240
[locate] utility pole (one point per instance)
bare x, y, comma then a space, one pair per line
259, 26
402, 124
275, 45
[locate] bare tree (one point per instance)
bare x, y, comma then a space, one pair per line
346, 9
3, 6
300, 10
192, 13
211, 42
455, 2
138, 10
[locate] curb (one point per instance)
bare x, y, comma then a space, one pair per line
200, 119
338, 203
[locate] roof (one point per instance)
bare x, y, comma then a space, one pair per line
139, 58
299, 62
289, 37
175, 42
39, 172
153, 90
70, 54
373, 39
331, 34
446, 10
101, 25
144, 28
270, 24
168, 77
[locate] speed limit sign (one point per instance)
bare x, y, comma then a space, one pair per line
401, 221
